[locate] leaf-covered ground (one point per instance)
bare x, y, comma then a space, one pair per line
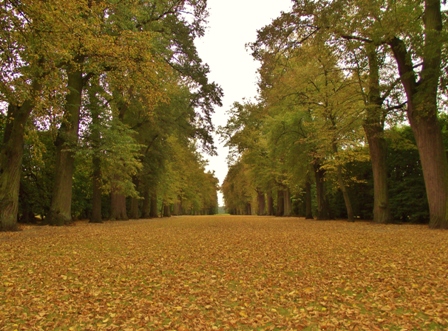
224, 273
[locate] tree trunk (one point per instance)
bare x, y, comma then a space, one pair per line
308, 199
248, 209
133, 210
178, 207
11, 164
423, 111
166, 210
270, 204
343, 188
280, 203
287, 202
66, 141
118, 207
261, 203
377, 150
97, 193
323, 210
374, 130
345, 195
146, 206
153, 213
428, 136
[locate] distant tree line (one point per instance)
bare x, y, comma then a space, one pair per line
349, 121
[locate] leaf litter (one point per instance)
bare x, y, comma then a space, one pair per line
224, 273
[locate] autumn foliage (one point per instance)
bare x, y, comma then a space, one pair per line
224, 273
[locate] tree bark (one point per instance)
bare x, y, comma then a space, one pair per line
343, 188
146, 206
270, 204
248, 210
118, 207
287, 202
97, 192
308, 199
374, 129
67, 139
261, 203
133, 210
422, 111
11, 164
96, 216
345, 195
153, 213
166, 210
280, 203
323, 209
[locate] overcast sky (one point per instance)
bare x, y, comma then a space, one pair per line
232, 24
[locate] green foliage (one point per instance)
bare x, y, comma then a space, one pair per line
143, 84
37, 175
407, 186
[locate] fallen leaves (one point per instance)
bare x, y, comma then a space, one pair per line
224, 273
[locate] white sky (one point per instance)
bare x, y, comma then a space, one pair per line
232, 24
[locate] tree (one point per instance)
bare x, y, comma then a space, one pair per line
28, 60
155, 38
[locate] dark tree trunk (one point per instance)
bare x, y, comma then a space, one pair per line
97, 193
323, 209
374, 129
270, 204
166, 210
134, 210
287, 202
428, 136
308, 199
423, 111
343, 188
345, 195
118, 207
11, 164
377, 150
153, 213
261, 203
248, 209
177, 210
280, 203
146, 206
66, 141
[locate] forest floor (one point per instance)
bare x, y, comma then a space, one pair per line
224, 273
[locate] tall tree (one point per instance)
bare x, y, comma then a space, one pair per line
28, 60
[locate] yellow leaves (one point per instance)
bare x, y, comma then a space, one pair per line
224, 273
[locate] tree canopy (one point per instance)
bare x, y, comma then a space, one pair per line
338, 84
102, 90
